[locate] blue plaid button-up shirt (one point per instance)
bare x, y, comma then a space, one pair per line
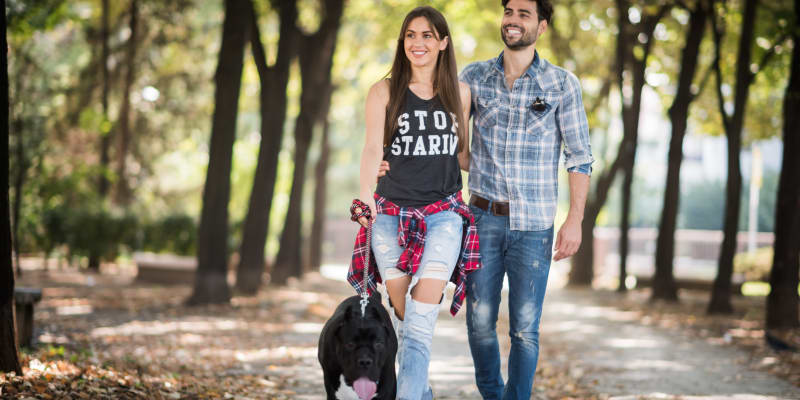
515, 149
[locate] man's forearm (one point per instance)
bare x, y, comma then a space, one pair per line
578, 191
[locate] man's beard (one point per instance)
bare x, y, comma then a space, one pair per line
528, 37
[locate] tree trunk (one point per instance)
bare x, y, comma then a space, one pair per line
627, 61
664, 286
320, 191
288, 263
123, 193
582, 272
273, 114
582, 267
19, 183
9, 355
316, 62
105, 134
211, 285
782, 302
721, 293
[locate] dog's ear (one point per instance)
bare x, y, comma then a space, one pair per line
376, 295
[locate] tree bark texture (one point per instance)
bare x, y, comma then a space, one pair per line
273, 114
782, 302
582, 271
664, 286
9, 355
627, 61
123, 193
721, 292
316, 60
211, 284
105, 136
320, 190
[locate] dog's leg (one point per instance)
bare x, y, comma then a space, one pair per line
331, 382
388, 383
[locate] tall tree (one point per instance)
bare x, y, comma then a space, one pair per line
664, 286
733, 123
9, 356
320, 189
123, 190
628, 61
21, 159
782, 302
273, 99
634, 42
316, 61
211, 284
105, 126
105, 138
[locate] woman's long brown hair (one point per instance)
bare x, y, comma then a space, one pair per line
445, 81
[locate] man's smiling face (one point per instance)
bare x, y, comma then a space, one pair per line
521, 26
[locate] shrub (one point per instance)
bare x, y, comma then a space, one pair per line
754, 266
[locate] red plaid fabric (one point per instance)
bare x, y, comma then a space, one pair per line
411, 236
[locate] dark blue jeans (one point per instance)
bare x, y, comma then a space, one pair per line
525, 257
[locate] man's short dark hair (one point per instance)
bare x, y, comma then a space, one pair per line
543, 7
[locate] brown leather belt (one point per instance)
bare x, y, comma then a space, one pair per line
497, 207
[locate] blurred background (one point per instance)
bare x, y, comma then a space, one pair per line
112, 105
181, 174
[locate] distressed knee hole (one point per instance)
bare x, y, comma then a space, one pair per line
436, 270
394, 273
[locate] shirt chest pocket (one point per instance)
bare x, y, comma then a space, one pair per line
487, 111
540, 116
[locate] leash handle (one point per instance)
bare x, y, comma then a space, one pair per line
354, 216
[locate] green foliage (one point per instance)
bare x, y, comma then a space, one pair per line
176, 234
755, 266
56, 115
97, 231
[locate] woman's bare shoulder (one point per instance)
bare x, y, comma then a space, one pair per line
379, 91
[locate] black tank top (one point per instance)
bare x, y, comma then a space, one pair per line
422, 155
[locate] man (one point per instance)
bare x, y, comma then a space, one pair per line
523, 108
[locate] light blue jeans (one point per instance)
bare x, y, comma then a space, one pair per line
415, 333
525, 257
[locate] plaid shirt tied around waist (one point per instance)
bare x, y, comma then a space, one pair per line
411, 237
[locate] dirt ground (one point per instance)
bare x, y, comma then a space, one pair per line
107, 336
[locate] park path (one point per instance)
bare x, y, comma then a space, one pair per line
610, 352
625, 359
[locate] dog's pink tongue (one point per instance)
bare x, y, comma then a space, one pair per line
365, 388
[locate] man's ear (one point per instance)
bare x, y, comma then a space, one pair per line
444, 43
542, 26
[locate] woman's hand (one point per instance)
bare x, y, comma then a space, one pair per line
383, 169
369, 200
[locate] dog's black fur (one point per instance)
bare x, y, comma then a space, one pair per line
356, 347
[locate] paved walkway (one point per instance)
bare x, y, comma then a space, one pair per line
628, 360
610, 351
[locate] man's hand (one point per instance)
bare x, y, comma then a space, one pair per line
382, 169
568, 240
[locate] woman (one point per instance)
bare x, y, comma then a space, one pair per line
423, 234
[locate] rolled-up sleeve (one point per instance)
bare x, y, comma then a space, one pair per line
574, 128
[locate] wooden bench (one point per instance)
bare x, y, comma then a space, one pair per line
25, 299
165, 269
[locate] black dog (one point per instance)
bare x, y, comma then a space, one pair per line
357, 353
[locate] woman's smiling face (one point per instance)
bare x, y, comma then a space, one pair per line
421, 42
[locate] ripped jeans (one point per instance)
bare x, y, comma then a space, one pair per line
415, 333
525, 257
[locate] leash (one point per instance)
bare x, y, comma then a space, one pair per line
354, 216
